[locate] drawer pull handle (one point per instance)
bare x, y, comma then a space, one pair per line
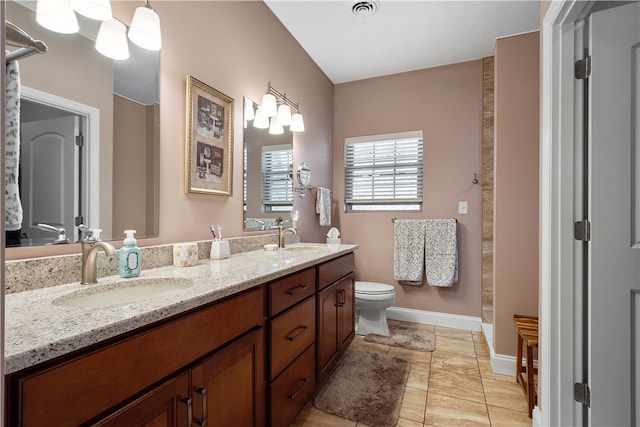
297, 289
297, 392
342, 299
203, 393
187, 401
294, 337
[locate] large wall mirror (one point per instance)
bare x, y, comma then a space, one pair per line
89, 136
268, 175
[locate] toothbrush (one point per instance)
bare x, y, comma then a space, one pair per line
213, 231
220, 231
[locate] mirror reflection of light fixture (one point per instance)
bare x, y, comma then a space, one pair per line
276, 105
249, 114
57, 15
145, 28
112, 40
261, 121
275, 128
99, 10
284, 115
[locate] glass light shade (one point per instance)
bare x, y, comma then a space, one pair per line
145, 28
100, 10
275, 128
249, 114
57, 15
268, 105
284, 115
297, 123
261, 121
112, 40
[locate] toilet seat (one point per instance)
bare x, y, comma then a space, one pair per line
373, 288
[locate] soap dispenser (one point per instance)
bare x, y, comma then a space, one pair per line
129, 256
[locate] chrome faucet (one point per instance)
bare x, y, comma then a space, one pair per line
282, 231
91, 245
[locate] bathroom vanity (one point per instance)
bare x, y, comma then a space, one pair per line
246, 345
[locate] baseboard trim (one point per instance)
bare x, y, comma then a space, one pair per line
536, 417
434, 318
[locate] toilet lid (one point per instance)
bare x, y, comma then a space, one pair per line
374, 288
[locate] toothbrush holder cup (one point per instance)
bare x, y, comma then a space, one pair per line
219, 249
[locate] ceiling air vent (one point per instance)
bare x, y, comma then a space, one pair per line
363, 9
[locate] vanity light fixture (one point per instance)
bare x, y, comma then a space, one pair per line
249, 114
145, 28
57, 15
112, 40
275, 128
99, 10
261, 121
277, 106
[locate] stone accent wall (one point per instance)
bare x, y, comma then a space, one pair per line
487, 190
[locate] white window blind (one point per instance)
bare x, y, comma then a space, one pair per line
384, 172
277, 185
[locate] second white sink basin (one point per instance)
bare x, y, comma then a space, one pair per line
123, 292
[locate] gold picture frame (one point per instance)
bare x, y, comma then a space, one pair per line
209, 147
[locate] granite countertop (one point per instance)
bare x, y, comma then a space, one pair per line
37, 330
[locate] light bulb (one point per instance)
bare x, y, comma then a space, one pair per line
100, 10
57, 15
275, 128
284, 115
145, 28
112, 40
268, 105
261, 121
297, 123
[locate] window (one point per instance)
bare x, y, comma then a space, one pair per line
384, 172
277, 173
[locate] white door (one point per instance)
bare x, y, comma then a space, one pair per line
48, 170
613, 306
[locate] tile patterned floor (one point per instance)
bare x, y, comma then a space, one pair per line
452, 386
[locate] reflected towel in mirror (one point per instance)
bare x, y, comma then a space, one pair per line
13, 205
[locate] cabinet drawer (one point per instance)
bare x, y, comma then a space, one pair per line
284, 293
292, 332
98, 380
335, 269
293, 389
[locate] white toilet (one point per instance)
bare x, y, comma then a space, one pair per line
372, 300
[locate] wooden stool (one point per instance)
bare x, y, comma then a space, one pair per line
527, 328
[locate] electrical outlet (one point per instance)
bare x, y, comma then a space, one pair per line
462, 207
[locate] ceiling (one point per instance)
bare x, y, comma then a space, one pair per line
401, 35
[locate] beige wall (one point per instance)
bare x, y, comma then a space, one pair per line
446, 103
516, 238
237, 48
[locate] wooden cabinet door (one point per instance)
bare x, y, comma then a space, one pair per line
328, 334
347, 311
228, 388
164, 406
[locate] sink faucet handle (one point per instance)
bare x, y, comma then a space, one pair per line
86, 234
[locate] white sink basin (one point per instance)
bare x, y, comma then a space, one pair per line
123, 292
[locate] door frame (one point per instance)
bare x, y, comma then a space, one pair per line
91, 157
560, 127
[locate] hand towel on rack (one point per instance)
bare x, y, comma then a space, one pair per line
13, 206
323, 205
408, 251
441, 252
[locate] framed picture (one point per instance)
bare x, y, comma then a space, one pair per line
209, 148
